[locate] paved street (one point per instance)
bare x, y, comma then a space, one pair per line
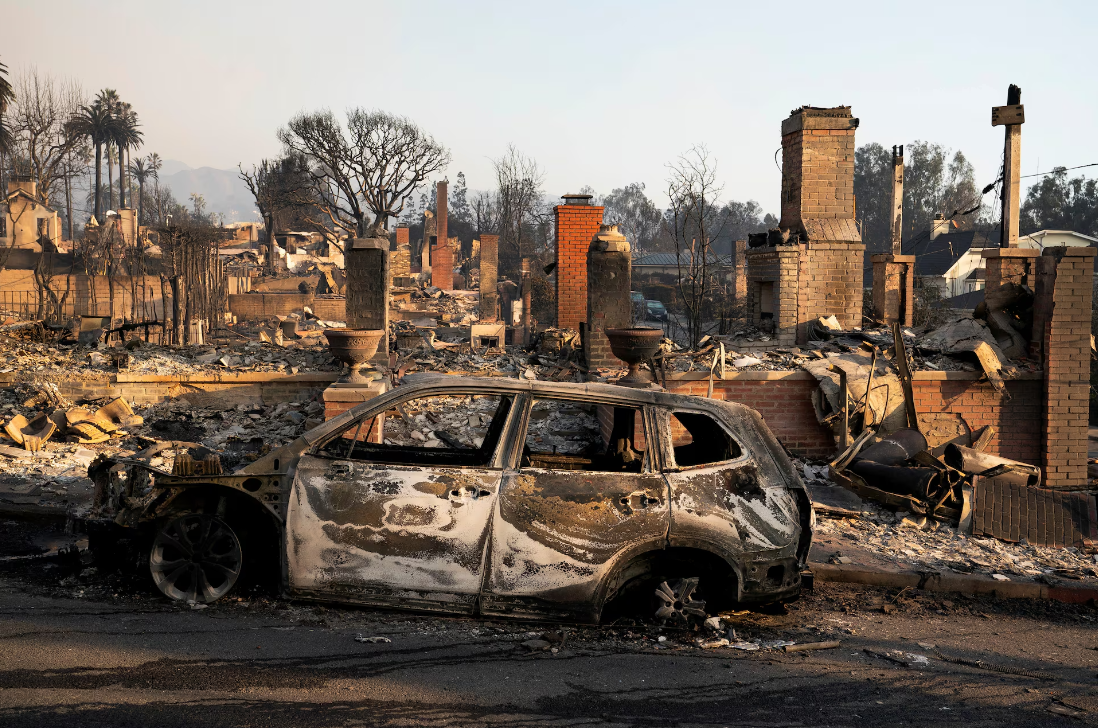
95, 651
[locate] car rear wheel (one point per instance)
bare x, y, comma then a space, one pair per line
675, 601
196, 558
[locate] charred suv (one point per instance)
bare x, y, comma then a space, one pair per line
486, 496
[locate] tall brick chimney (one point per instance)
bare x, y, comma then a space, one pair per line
811, 266
442, 255
577, 221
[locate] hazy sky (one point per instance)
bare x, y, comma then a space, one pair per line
600, 93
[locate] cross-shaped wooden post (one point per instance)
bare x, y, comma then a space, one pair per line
1012, 116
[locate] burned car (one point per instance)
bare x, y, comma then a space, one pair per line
488, 496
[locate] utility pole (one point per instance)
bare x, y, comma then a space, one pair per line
1012, 116
897, 217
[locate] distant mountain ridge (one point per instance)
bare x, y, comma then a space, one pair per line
223, 189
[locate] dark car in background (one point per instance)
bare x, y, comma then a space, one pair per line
488, 496
655, 311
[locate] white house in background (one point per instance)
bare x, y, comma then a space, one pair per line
954, 262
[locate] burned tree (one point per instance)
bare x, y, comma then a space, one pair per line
371, 166
519, 209
277, 186
193, 271
693, 222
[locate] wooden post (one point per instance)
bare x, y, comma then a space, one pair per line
897, 217
1012, 116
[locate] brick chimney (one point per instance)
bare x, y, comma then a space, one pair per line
812, 266
442, 255
577, 221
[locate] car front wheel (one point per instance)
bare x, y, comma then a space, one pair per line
196, 558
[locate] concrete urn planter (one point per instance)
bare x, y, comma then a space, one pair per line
634, 346
354, 347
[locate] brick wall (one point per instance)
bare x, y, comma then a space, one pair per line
143, 389
784, 399
489, 272
1015, 415
575, 226
830, 283
258, 306
1062, 317
87, 295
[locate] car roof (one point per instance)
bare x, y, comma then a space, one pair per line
437, 383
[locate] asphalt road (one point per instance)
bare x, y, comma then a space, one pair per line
102, 651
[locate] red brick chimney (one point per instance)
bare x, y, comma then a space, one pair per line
577, 221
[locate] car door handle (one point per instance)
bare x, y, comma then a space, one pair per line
467, 492
640, 499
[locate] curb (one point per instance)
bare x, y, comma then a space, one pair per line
36, 513
952, 582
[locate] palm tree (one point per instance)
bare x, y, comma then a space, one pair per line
108, 99
95, 122
155, 163
140, 170
7, 95
126, 137
199, 203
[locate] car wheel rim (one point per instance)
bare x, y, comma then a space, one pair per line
675, 602
195, 558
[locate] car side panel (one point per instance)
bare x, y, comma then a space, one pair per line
559, 534
389, 534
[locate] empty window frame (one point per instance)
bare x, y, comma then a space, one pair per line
443, 430
698, 439
571, 435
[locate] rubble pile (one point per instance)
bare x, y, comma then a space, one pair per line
55, 473
41, 362
431, 422
453, 309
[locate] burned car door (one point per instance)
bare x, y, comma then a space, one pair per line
730, 497
579, 503
395, 509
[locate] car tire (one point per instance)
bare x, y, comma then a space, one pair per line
196, 557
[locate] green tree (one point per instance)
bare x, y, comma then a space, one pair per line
873, 192
1059, 203
637, 216
935, 182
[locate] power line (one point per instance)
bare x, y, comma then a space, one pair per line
1058, 169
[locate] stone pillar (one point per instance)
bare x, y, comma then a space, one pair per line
429, 229
577, 220
401, 262
367, 268
489, 270
1061, 330
1004, 266
527, 315
739, 272
609, 277
893, 288
442, 256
